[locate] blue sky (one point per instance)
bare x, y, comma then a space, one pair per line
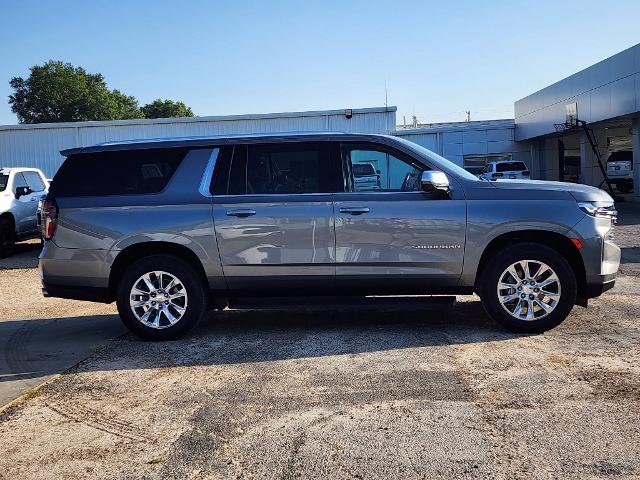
437, 58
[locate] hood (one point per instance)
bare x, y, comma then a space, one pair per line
582, 193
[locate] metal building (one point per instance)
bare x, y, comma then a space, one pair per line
471, 144
39, 145
607, 97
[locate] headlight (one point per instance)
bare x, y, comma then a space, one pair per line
595, 209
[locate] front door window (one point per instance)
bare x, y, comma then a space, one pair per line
371, 170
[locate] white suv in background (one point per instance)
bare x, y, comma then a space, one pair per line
505, 170
21, 189
620, 170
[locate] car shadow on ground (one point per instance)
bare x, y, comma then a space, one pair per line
41, 347
265, 335
249, 335
24, 256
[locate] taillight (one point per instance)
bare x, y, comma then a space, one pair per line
496, 175
49, 219
526, 173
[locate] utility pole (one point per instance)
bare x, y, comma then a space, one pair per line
385, 95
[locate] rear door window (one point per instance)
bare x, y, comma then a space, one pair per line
273, 169
128, 172
4, 181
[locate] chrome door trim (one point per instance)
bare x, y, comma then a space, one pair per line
207, 176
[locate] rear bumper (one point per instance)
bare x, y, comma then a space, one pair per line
76, 274
89, 294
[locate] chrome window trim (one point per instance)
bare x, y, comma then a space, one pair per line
414, 192
387, 192
314, 194
207, 176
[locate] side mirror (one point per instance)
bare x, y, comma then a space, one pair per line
21, 191
434, 181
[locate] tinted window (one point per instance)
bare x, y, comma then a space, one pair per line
510, 166
387, 172
238, 172
129, 172
221, 172
620, 156
287, 168
34, 181
4, 180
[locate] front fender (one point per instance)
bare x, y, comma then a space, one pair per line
489, 219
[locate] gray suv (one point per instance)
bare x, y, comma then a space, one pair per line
167, 228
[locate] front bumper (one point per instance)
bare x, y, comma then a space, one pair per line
600, 255
601, 285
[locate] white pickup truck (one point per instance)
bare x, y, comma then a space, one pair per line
21, 189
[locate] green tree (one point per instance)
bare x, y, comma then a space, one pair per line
60, 92
124, 106
166, 109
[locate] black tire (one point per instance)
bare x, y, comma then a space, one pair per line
7, 238
625, 187
187, 275
527, 251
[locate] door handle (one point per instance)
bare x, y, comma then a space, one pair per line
354, 210
241, 212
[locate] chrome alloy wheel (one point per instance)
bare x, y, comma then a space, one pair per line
529, 290
158, 299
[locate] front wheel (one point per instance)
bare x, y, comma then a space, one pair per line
528, 288
7, 238
161, 297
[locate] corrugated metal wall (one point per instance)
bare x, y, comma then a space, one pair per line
454, 141
39, 145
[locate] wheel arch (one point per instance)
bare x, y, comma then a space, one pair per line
9, 216
554, 240
140, 250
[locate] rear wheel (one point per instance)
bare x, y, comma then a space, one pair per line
161, 297
7, 238
528, 288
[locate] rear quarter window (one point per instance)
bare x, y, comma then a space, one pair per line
127, 172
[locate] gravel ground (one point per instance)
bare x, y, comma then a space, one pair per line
394, 389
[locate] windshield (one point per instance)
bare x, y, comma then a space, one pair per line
438, 160
620, 157
362, 169
4, 180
